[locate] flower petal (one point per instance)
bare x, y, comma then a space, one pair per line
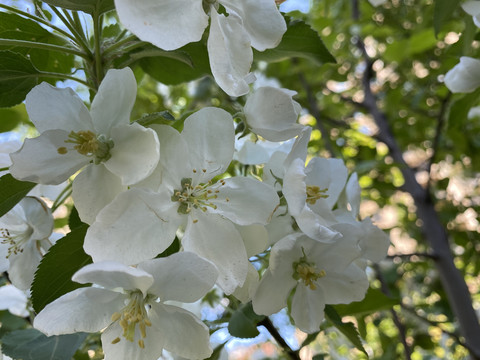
112, 275
175, 324
255, 238
114, 100
210, 136
51, 108
263, 34
23, 266
39, 161
230, 53
133, 228
464, 77
307, 309
38, 217
272, 292
13, 300
93, 189
245, 201
85, 309
135, 154
223, 246
182, 276
168, 24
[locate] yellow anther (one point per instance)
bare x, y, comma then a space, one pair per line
195, 221
194, 171
116, 316
314, 193
204, 170
62, 150
141, 344
116, 340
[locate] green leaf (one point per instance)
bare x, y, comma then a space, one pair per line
17, 77
10, 118
174, 70
374, 300
31, 344
15, 27
89, 6
12, 191
74, 219
300, 40
443, 12
348, 329
54, 274
418, 43
243, 323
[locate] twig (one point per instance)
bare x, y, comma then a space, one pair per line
267, 323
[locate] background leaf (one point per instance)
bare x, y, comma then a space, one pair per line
243, 323
88, 6
54, 274
444, 10
31, 344
374, 300
12, 191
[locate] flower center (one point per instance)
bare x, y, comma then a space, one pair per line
314, 193
16, 240
89, 144
196, 197
132, 315
307, 272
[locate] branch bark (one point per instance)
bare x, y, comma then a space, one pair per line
435, 234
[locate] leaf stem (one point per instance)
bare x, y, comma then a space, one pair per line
43, 46
267, 323
97, 29
119, 44
64, 194
65, 76
5, 168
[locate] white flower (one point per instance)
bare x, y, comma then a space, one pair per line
377, 2
141, 223
14, 300
171, 24
6, 148
250, 152
114, 152
311, 193
464, 77
473, 8
272, 114
320, 273
24, 238
130, 304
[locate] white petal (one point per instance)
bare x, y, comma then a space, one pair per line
344, 287
272, 293
182, 276
471, 7
210, 136
84, 309
135, 154
39, 161
249, 201
114, 100
263, 34
294, 187
13, 300
374, 242
132, 228
464, 77
271, 113
51, 108
174, 325
38, 217
168, 24
230, 53
299, 149
112, 275
307, 309
245, 292
23, 266
130, 349
93, 189
216, 239
255, 238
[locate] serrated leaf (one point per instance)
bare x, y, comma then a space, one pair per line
12, 191
89, 6
31, 344
17, 77
174, 71
300, 40
348, 329
53, 277
243, 323
374, 300
443, 11
13, 26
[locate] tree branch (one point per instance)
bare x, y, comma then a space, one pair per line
267, 323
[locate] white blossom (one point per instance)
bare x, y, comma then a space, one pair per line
464, 77
113, 152
131, 304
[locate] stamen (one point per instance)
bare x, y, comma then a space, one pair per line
314, 193
307, 272
87, 143
16, 240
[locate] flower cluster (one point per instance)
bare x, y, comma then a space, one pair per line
140, 189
